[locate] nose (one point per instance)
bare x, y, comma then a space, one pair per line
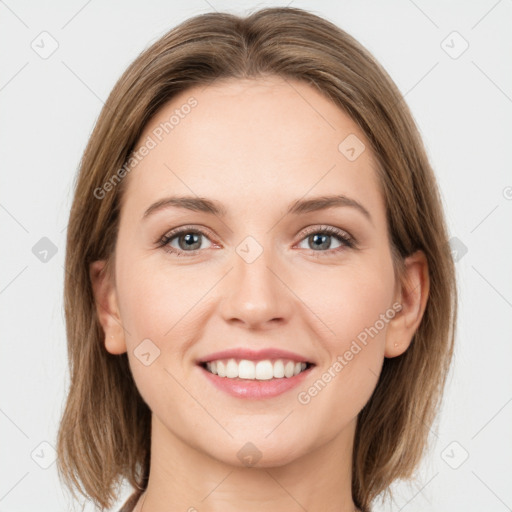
256, 295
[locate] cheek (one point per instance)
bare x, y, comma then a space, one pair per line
162, 309
350, 299
155, 301
356, 306
150, 308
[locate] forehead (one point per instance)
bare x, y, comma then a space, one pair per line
244, 140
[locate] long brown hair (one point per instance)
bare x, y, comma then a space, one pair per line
104, 434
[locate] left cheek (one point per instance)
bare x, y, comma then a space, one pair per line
354, 302
354, 315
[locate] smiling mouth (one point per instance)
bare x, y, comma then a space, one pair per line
266, 369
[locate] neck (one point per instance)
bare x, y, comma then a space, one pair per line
184, 478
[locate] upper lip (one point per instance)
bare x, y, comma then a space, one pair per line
254, 355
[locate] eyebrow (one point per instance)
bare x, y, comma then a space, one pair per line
298, 207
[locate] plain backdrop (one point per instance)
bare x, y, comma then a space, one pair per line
453, 63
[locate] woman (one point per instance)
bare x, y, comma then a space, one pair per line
260, 297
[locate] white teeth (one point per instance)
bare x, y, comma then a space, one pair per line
264, 370
231, 369
288, 369
246, 369
279, 369
221, 369
260, 370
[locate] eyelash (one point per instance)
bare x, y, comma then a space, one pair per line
347, 240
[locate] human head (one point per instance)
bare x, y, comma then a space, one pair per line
206, 50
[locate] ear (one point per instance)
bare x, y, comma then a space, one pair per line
105, 298
412, 295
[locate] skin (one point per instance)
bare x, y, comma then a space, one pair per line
255, 146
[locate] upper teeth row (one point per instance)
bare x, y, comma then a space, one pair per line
261, 370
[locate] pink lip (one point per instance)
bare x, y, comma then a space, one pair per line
245, 388
254, 355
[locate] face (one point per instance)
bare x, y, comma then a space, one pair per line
261, 273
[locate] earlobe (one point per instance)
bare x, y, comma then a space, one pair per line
107, 310
413, 297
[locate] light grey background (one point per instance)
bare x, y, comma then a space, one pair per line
462, 103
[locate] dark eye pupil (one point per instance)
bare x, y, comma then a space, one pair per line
191, 239
322, 241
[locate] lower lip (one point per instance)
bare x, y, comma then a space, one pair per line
245, 388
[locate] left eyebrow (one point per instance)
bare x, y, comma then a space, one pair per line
323, 202
298, 207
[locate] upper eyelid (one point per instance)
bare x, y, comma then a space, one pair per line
180, 229
328, 228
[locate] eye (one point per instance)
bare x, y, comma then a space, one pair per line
188, 240
320, 239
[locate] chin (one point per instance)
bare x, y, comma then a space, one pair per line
254, 450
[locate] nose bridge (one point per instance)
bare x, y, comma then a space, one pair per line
255, 295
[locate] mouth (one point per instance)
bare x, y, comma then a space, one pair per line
262, 370
255, 375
